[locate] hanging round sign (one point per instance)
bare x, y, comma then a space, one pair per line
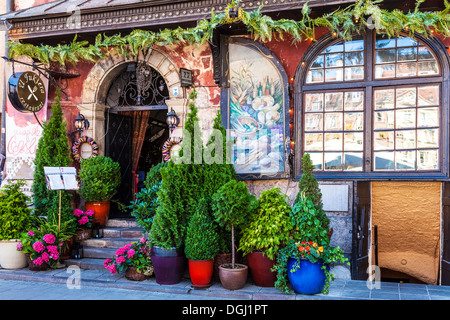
84, 148
168, 146
26, 91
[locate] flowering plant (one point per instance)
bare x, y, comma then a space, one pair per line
135, 254
84, 219
42, 247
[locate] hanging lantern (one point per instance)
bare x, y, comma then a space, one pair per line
81, 123
172, 120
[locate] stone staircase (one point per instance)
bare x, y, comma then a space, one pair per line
116, 234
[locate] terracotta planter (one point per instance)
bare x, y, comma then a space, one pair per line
33, 267
168, 264
132, 274
233, 279
10, 257
101, 211
201, 272
260, 269
82, 234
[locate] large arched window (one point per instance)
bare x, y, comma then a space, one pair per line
373, 107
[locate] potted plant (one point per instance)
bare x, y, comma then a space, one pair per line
306, 260
267, 231
201, 245
84, 224
100, 176
231, 205
15, 218
42, 248
133, 259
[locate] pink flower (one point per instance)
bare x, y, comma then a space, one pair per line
38, 246
120, 251
106, 263
120, 259
55, 255
112, 268
77, 213
52, 249
45, 257
49, 238
31, 233
38, 261
143, 240
130, 253
89, 212
19, 246
83, 220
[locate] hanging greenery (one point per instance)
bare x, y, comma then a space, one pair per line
344, 22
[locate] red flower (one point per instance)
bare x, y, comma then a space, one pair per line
307, 248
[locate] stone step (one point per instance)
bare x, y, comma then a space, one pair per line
86, 263
132, 232
122, 223
99, 253
108, 242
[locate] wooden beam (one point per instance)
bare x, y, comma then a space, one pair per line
137, 108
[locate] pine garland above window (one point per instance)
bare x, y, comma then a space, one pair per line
343, 23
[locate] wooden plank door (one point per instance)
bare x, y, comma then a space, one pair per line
361, 237
445, 261
118, 147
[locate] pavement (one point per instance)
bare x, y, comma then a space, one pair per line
75, 283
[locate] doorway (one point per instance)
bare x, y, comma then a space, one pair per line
135, 128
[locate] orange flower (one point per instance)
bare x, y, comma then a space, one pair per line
314, 244
307, 248
301, 249
321, 249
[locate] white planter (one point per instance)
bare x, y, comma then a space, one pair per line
10, 257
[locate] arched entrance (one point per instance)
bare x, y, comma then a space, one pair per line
126, 100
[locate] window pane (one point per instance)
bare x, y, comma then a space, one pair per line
384, 160
333, 74
353, 141
333, 121
333, 141
425, 54
428, 138
317, 160
383, 140
407, 54
406, 42
405, 160
407, 69
384, 56
428, 68
354, 100
354, 58
405, 118
314, 76
405, 139
383, 43
313, 102
428, 96
313, 141
353, 161
338, 47
318, 63
333, 161
334, 101
406, 97
334, 60
314, 122
385, 71
354, 73
383, 120
427, 159
353, 121
428, 117
355, 45
384, 99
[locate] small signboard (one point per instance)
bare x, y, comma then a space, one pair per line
61, 178
186, 78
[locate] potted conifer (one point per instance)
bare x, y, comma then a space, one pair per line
267, 231
201, 245
100, 177
231, 206
15, 218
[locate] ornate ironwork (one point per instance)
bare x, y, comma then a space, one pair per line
138, 85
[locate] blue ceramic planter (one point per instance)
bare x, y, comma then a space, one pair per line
308, 279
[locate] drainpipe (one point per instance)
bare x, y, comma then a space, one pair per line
9, 8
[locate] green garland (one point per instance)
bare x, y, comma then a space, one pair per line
345, 22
